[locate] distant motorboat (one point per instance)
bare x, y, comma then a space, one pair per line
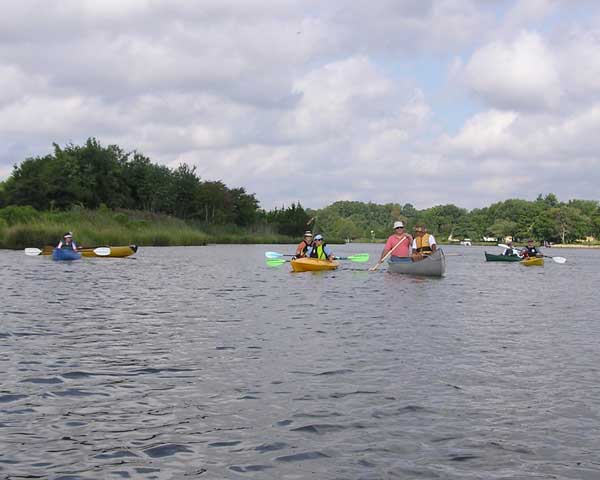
466, 242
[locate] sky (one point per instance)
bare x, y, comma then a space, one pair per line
388, 101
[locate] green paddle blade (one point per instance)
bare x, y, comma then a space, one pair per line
275, 262
359, 257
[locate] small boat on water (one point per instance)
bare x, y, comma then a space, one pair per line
533, 261
111, 252
432, 266
313, 265
65, 254
490, 257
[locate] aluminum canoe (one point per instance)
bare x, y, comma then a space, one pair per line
432, 266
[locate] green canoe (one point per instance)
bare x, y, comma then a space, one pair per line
490, 257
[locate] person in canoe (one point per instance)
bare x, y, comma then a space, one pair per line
423, 244
319, 249
67, 242
510, 251
304, 245
530, 250
398, 243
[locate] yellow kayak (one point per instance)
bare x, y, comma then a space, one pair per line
313, 265
115, 252
533, 261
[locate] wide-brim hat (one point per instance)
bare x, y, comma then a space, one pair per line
398, 225
308, 233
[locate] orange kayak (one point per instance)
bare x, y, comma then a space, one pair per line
313, 265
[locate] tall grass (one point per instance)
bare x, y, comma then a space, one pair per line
20, 229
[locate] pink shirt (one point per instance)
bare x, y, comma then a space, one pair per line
402, 250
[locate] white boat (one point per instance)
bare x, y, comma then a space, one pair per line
466, 242
432, 266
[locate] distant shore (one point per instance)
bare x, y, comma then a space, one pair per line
573, 245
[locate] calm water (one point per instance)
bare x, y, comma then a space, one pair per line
202, 362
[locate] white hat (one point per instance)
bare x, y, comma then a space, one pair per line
398, 225
319, 237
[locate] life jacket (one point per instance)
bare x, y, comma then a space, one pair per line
423, 245
302, 251
531, 251
66, 246
319, 252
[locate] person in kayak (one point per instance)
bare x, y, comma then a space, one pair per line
67, 242
510, 251
304, 245
319, 249
530, 250
398, 243
423, 244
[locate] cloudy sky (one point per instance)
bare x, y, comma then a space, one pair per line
410, 101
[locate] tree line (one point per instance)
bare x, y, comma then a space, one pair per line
544, 219
94, 176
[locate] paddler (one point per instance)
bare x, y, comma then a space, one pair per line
423, 244
67, 242
398, 243
304, 245
319, 249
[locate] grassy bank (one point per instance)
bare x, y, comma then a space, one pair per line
22, 227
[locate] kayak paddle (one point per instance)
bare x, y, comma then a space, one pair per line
100, 251
275, 262
276, 255
359, 257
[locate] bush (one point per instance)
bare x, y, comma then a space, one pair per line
14, 215
31, 236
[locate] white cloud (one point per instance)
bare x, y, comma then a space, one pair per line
348, 99
521, 75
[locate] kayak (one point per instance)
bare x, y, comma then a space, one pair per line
115, 252
432, 266
313, 265
490, 257
533, 261
65, 254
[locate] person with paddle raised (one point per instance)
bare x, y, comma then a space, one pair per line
397, 245
423, 244
304, 245
67, 242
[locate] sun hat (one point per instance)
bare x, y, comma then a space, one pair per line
68, 235
319, 237
308, 233
398, 225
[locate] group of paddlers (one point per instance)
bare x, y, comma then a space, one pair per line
400, 244
528, 251
313, 247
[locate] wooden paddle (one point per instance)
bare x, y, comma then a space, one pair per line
387, 255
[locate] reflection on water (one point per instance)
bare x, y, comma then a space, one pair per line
204, 362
